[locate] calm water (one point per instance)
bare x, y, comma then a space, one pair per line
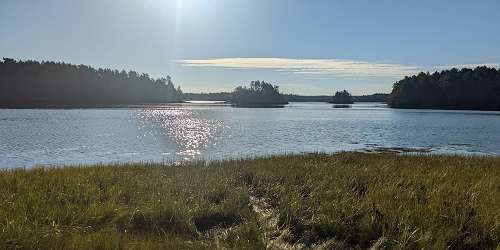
185, 132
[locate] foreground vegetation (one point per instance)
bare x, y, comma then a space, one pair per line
341, 201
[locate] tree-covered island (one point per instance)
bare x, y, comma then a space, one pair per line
258, 94
342, 97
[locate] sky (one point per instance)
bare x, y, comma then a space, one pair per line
309, 47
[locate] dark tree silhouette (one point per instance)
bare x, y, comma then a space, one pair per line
258, 94
342, 97
51, 84
449, 89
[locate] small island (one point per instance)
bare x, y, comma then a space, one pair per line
342, 99
469, 89
259, 94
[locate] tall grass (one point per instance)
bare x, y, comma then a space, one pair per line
346, 200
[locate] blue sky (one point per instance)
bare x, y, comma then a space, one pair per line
307, 47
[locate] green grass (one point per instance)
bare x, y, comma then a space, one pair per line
346, 200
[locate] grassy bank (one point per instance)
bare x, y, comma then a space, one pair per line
347, 200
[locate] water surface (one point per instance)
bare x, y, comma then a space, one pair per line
203, 131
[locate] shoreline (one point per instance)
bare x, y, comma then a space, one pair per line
217, 103
373, 150
370, 149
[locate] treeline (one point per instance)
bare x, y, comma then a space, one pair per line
227, 96
450, 89
303, 98
53, 84
258, 94
221, 96
378, 97
326, 98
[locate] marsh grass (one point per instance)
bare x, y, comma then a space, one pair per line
345, 200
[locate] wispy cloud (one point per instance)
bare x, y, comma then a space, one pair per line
310, 67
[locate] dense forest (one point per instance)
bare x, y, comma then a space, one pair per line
449, 89
51, 84
258, 94
342, 97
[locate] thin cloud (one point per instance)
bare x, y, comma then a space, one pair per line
313, 67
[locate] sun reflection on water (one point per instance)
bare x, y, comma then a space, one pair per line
190, 133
